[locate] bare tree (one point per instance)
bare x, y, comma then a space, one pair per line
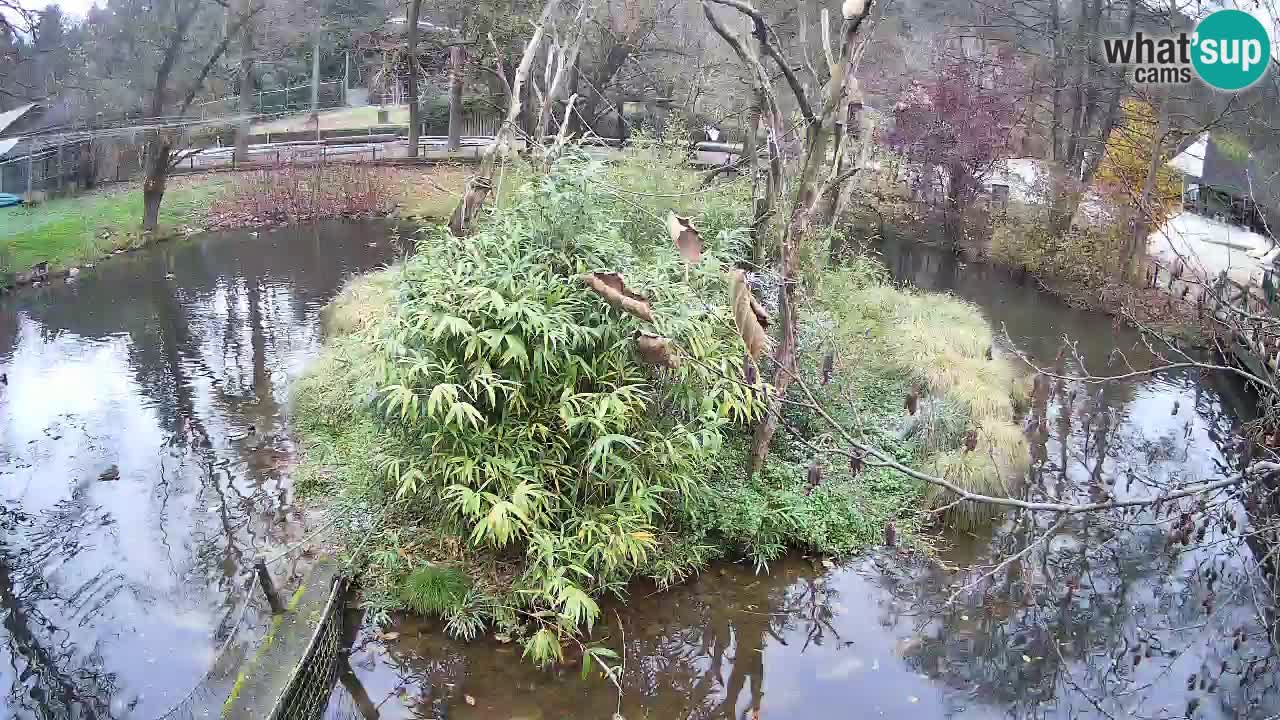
162, 148
457, 61
246, 85
812, 190
415, 122
561, 63
478, 187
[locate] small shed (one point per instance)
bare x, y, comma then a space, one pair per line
1222, 180
40, 158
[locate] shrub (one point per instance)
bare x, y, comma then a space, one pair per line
503, 411
1090, 255
522, 410
434, 590
294, 193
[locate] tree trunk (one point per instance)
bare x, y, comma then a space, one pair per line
415, 9
156, 177
247, 111
1137, 245
455, 97
618, 105
1064, 201
477, 188
798, 228
759, 202
315, 84
953, 211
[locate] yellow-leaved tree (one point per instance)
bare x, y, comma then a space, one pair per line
1122, 176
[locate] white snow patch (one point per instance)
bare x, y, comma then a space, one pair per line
1209, 247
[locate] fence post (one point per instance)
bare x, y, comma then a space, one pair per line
268, 586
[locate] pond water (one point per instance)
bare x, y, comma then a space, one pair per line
144, 460
1103, 620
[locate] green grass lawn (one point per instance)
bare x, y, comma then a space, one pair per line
73, 230
346, 118
70, 230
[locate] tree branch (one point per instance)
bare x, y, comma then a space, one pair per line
762, 33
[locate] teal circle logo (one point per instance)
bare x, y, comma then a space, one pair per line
1231, 50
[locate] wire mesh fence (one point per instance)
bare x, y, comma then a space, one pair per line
333, 94
306, 695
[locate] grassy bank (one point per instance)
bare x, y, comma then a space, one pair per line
508, 452
74, 230
1083, 267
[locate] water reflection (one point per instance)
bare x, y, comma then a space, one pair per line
144, 456
1104, 617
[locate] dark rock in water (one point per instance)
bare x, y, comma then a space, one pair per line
111, 473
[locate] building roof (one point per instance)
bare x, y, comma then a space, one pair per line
1190, 161
1229, 166
1226, 164
9, 117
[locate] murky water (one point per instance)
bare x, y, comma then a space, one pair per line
144, 460
1104, 619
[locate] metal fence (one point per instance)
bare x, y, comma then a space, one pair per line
306, 695
295, 98
476, 122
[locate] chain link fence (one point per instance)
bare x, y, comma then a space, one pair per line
306, 695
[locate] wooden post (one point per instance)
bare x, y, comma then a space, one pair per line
31, 168
456, 61
62, 175
268, 586
315, 75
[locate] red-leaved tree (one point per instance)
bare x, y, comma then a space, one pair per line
958, 124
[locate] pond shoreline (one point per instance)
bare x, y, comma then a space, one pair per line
1145, 308
902, 635
146, 452
194, 204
